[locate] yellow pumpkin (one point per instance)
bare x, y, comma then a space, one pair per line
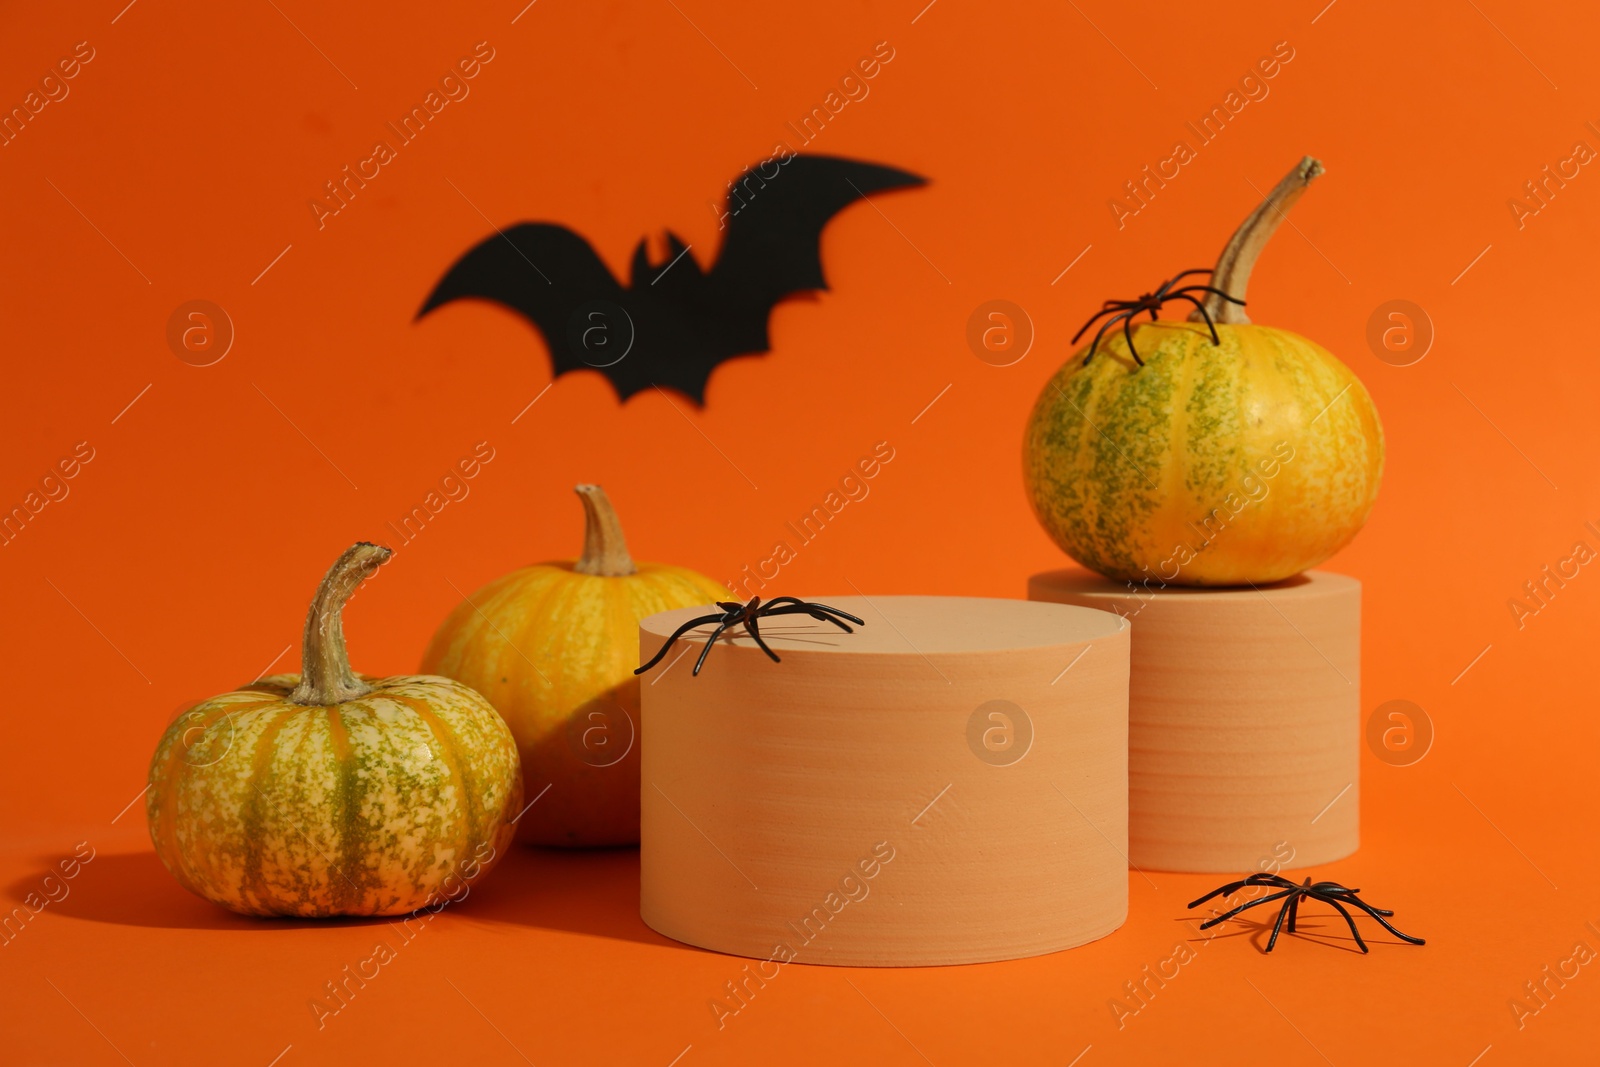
553, 646
1244, 460
329, 793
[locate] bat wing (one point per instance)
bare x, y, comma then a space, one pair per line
548, 275
773, 248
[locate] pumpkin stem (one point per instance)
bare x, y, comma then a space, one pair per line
605, 550
326, 677
1232, 273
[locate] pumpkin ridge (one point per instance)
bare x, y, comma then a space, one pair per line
648, 601
1079, 514
1220, 385
346, 818
164, 798
491, 620
254, 882
1181, 459
441, 650
547, 592
1122, 432
164, 788
450, 752
296, 759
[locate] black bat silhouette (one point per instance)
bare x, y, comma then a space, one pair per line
674, 323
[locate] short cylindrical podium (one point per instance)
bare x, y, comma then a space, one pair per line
1244, 718
947, 784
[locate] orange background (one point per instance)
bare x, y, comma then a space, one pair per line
182, 163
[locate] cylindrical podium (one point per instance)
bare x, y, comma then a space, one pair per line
1244, 718
947, 784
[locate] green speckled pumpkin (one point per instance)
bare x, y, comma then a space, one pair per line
1241, 459
334, 794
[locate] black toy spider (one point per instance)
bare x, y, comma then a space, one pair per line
1291, 894
1124, 310
734, 613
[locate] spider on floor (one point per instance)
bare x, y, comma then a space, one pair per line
1291, 893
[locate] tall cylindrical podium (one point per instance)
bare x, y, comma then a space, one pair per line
1243, 718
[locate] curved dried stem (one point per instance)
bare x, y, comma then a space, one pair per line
326, 677
605, 550
1232, 273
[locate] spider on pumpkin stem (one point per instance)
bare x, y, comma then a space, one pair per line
1124, 310
734, 613
1291, 894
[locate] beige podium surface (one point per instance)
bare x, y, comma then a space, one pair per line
1244, 719
948, 784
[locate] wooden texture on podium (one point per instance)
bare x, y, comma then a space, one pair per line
946, 785
1244, 719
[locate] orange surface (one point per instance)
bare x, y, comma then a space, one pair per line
179, 166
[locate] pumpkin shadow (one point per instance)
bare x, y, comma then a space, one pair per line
135, 889
587, 891
591, 891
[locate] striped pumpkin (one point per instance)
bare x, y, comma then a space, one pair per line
553, 646
334, 794
1244, 461
1248, 461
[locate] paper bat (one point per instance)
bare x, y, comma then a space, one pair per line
674, 322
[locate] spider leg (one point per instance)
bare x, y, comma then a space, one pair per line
813, 611
1215, 340
1095, 347
1185, 274
1125, 313
1127, 331
1259, 900
1110, 306
1263, 878
685, 628
1208, 289
1378, 914
1286, 911
709, 642
784, 609
1234, 887
793, 605
1294, 911
1349, 919
822, 616
1272, 881
836, 611
776, 601
1227, 890
754, 631
820, 612
1223, 891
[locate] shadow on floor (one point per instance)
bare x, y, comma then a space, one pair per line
1323, 930
593, 891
